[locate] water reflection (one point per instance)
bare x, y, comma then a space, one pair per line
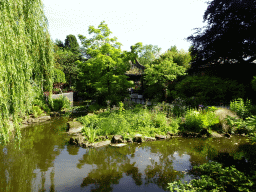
46, 163
39, 148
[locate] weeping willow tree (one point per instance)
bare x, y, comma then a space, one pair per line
26, 61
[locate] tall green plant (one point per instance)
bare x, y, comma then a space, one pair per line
241, 108
26, 60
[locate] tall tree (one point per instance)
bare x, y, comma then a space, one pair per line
59, 44
229, 36
162, 71
72, 44
104, 71
26, 60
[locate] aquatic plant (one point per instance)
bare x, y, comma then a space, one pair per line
214, 177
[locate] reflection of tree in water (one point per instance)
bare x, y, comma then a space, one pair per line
111, 164
37, 150
103, 177
161, 173
72, 149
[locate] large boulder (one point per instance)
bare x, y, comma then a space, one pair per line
117, 139
74, 126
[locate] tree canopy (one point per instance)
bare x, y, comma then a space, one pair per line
145, 54
164, 69
72, 44
229, 36
103, 74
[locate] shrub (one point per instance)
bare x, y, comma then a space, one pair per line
60, 103
195, 121
214, 177
36, 111
242, 109
41, 102
207, 90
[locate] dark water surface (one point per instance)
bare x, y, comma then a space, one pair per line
46, 163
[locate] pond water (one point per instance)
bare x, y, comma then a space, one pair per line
45, 162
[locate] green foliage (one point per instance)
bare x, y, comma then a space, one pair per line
196, 120
132, 121
214, 177
26, 59
207, 90
242, 109
41, 102
68, 62
36, 111
60, 103
162, 71
181, 57
59, 76
145, 54
102, 76
72, 44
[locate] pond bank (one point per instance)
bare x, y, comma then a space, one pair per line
74, 129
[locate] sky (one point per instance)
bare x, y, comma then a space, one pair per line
164, 23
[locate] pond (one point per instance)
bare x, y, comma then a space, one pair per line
45, 162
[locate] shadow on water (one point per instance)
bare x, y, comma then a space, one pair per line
45, 162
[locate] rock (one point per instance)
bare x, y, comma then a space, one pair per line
227, 135
168, 136
75, 130
137, 138
102, 143
44, 118
74, 126
118, 145
215, 135
146, 139
117, 139
168, 133
159, 137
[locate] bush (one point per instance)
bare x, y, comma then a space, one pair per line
60, 103
41, 102
36, 111
207, 90
195, 120
242, 109
213, 177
